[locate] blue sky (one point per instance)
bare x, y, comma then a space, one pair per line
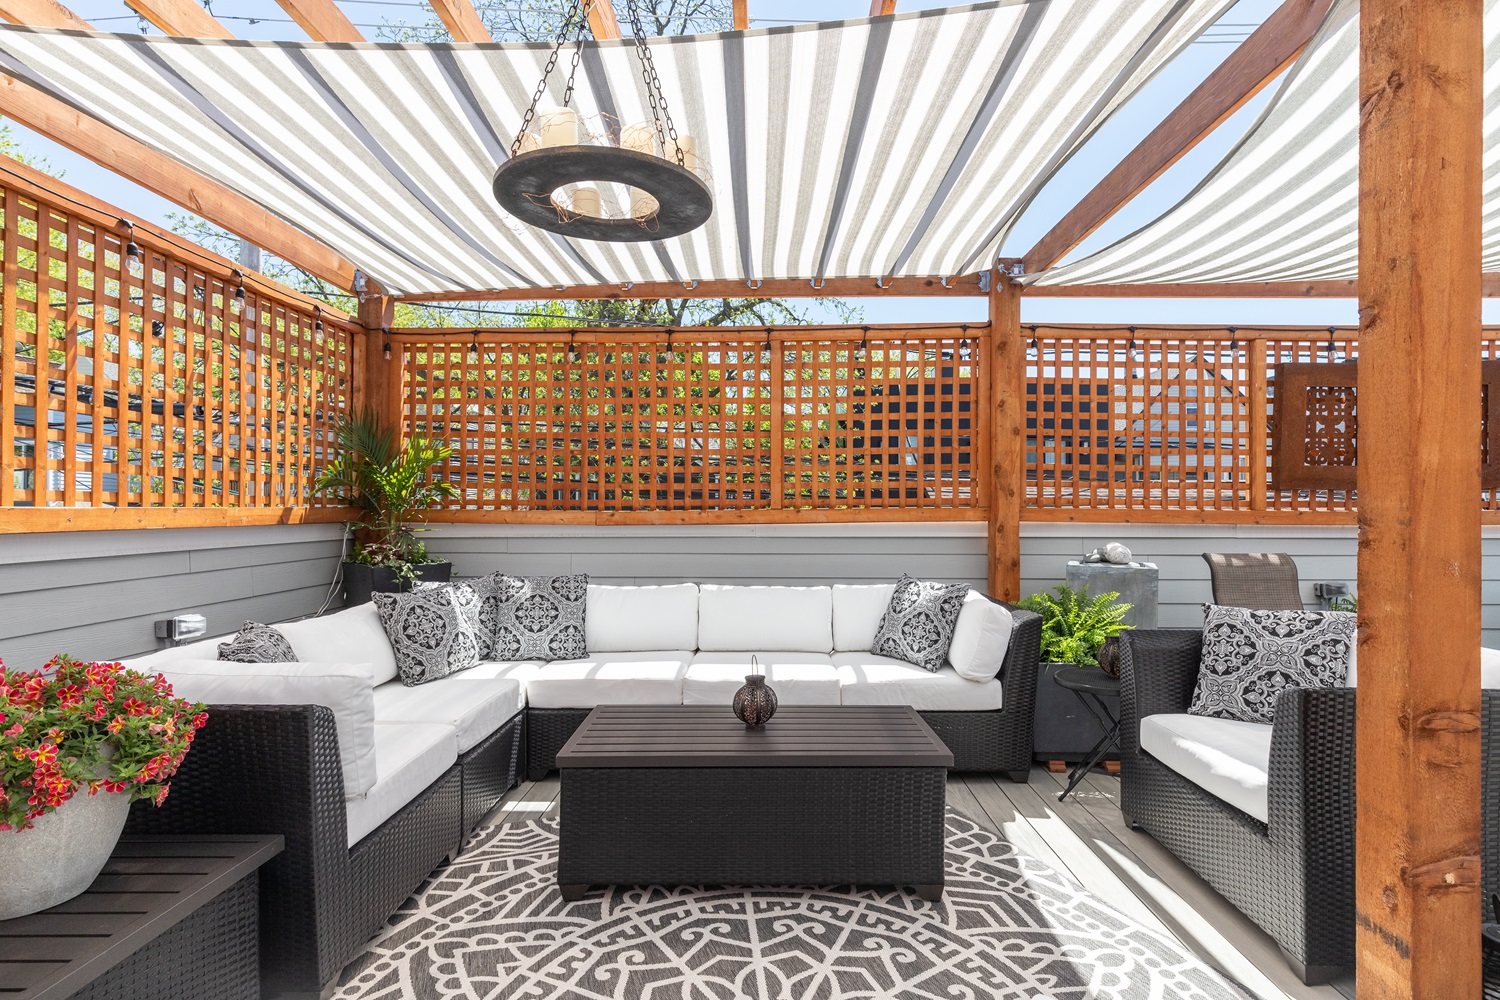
1106, 148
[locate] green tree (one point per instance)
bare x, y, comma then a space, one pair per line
12, 147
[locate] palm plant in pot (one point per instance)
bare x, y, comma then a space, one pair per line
388, 481
1076, 631
78, 743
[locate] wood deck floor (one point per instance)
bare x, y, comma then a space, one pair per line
1086, 837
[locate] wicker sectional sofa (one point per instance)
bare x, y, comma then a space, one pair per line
1264, 813
373, 784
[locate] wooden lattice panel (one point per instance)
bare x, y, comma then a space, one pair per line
601, 421
145, 381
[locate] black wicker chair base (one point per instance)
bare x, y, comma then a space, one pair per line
694, 826
490, 769
547, 729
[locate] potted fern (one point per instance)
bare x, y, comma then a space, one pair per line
389, 481
1075, 629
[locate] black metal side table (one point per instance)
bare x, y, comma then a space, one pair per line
1092, 686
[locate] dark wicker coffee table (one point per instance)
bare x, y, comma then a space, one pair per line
685, 795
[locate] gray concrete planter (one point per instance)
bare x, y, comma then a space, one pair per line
62, 853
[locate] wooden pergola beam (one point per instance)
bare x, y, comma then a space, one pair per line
461, 20
163, 175
184, 18
1256, 62
602, 20
1417, 715
741, 14
321, 19
42, 14
879, 8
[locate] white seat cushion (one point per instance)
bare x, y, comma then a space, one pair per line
345, 688
857, 610
474, 706
203, 649
625, 619
409, 756
638, 678
1225, 757
352, 635
520, 671
797, 678
871, 679
980, 638
782, 618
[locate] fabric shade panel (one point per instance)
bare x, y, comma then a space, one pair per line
902, 146
1283, 204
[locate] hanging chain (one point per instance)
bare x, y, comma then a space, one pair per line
654, 96
575, 18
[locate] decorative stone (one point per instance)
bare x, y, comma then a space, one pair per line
755, 703
1137, 584
1116, 554
62, 853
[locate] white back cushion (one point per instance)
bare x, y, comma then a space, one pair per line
1489, 668
980, 638
353, 635
203, 649
770, 618
343, 687
635, 619
857, 609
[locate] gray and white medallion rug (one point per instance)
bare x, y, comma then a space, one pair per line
492, 927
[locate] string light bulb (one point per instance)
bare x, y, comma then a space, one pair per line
572, 350
387, 334
239, 291
132, 249
474, 345
1234, 340
317, 318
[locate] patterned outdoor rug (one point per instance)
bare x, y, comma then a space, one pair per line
493, 926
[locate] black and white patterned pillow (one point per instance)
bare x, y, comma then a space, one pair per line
1250, 657
918, 623
537, 618
430, 631
257, 643
470, 595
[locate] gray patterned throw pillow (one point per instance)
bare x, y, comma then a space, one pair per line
1250, 657
918, 623
257, 643
430, 631
537, 618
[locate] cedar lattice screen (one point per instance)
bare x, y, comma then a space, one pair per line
145, 382
747, 421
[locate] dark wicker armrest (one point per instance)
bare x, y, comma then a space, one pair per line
1018, 671
271, 769
1158, 669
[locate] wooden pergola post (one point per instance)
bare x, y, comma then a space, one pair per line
1417, 874
377, 379
1007, 430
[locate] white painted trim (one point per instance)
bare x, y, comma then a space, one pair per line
1081, 529
881, 529
53, 546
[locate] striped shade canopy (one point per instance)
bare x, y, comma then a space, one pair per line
894, 146
1283, 204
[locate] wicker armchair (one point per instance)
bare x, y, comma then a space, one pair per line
1266, 581
1294, 875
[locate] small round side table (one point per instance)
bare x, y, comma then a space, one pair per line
1091, 686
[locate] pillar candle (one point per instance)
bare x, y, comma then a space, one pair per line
641, 138
586, 201
559, 127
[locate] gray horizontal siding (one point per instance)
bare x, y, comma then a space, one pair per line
96, 594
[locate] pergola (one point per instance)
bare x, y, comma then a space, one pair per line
846, 210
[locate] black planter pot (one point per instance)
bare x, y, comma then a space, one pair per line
1064, 728
361, 580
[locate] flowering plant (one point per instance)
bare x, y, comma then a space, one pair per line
92, 726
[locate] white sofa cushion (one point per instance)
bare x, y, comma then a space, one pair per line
343, 687
797, 678
1489, 668
980, 638
781, 618
520, 671
638, 619
649, 677
475, 707
1225, 757
354, 634
409, 756
857, 610
203, 649
871, 679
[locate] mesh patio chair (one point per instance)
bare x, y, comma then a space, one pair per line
1266, 581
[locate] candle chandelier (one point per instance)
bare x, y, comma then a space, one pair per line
639, 182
